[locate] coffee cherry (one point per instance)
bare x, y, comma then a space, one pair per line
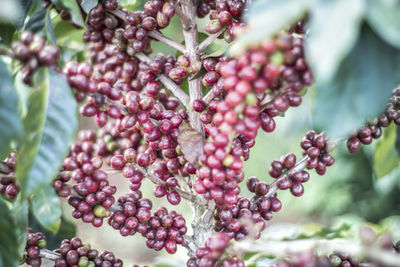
198, 105
353, 144
297, 189
173, 197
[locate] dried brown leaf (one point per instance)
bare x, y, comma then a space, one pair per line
191, 143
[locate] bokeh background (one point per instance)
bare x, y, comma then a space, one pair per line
358, 189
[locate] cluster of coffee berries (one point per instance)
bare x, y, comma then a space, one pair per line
162, 230
33, 52
264, 205
110, 141
223, 14
71, 253
315, 146
373, 129
156, 15
293, 181
165, 230
129, 31
134, 214
60, 184
213, 251
237, 221
34, 243
8, 187
278, 65
161, 138
94, 195
241, 220
74, 253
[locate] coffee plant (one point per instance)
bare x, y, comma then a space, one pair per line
127, 112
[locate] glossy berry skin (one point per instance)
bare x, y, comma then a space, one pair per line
173, 197
353, 144
198, 105
170, 246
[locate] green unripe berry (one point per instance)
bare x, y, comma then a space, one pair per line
100, 211
42, 243
251, 99
228, 160
87, 246
111, 146
83, 261
277, 58
107, 139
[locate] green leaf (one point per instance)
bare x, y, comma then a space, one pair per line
6, 33
199, 74
216, 48
385, 157
58, 133
67, 229
37, 21
174, 32
8, 239
33, 127
47, 209
87, 5
25, 6
62, 28
73, 8
329, 20
267, 18
20, 214
397, 144
11, 126
23, 92
361, 87
50, 34
384, 17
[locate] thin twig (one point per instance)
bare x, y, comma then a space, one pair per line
208, 97
203, 45
50, 255
162, 38
157, 180
153, 34
168, 83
